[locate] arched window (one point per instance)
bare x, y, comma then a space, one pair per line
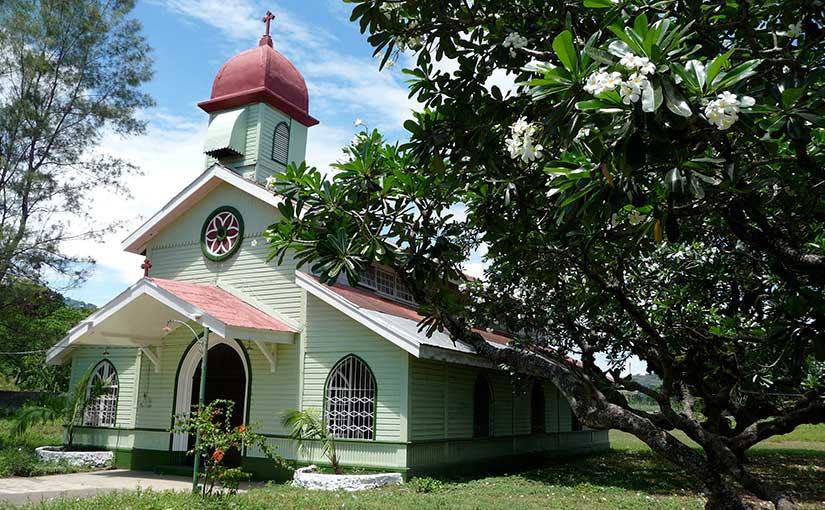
102, 411
537, 417
349, 407
575, 424
280, 143
482, 399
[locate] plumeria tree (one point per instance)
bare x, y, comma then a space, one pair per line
651, 187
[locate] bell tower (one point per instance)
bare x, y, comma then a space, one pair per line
258, 112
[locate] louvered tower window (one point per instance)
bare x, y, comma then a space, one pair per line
349, 407
102, 411
280, 144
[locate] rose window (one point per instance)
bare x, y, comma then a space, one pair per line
222, 233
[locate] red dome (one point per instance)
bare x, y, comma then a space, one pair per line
261, 75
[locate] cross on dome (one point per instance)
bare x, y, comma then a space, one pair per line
266, 39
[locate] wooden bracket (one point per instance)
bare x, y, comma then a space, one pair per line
154, 356
271, 355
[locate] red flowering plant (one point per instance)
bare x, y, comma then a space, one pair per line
221, 443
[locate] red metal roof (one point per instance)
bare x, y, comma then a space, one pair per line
261, 74
223, 306
371, 301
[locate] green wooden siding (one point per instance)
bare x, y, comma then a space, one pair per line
176, 254
441, 402
256, 163
127, 364
268, 120
330, 336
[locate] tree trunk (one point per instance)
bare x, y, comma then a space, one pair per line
722, 495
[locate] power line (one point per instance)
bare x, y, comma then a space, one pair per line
22, 353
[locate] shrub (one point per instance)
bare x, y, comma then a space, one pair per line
425, 484
218, 436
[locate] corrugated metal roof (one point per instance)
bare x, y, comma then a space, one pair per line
223, 306
406, 318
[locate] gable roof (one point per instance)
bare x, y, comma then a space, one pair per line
392, 320
135, 318
223, 306
210, 179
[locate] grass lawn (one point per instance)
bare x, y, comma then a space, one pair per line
17, 456
628, 477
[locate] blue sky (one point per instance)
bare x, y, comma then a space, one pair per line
191, 39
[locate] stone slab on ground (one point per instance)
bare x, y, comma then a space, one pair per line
21, 490
309, 478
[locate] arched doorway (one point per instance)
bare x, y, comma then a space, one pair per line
227, 378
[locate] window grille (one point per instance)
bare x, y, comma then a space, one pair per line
385, 282
102, 411
280, 144
537, 417
482, 417
350, 400
368, 278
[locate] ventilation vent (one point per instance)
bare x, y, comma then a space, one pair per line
280, 144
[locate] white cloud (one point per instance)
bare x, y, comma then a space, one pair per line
342, 87
241, 20
170, 155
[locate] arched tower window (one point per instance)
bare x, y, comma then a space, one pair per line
482, 400
349, 407
537, 416
102, 411
280, 143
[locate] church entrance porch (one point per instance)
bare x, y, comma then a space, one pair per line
227, 378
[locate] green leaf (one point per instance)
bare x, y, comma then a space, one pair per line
598, 4
563, 46
597, 104
674, 101
623, 34
619, 48
790, 96
600, 56
685, 77
717, 64
652, 97
697, 69
741, 72
675, 181
772, 124
640, 25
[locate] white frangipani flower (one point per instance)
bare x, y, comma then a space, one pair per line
630, 61
647, 66
636, 218
520, 144
643, 64
612, 80
358, 122
602, 81
253, 243
269, 183
629, 92
723, 111
795, 30
514, 41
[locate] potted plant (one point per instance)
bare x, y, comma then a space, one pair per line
70, 407
310, 425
